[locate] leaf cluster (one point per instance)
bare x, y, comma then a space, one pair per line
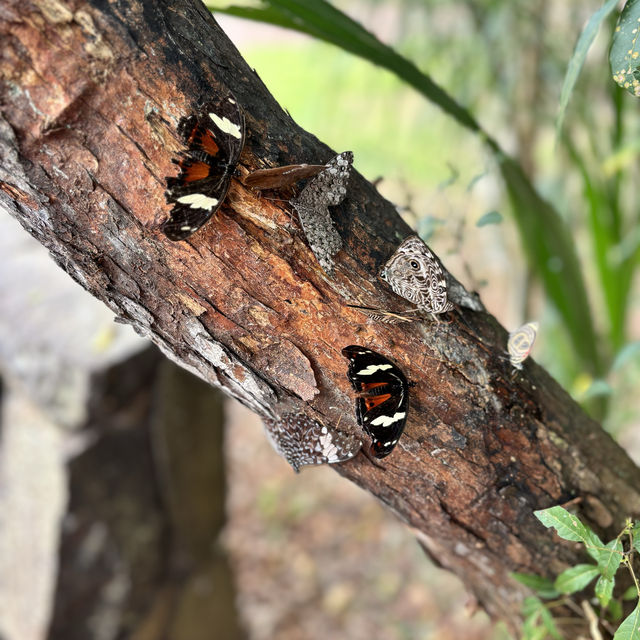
608, 559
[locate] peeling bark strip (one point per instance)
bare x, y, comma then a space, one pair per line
91, 94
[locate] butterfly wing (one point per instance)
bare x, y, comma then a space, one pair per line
521, 342
415, 273
214, 138
328, 188
320, 233
437, 284
382, 397
280, 177
303, 441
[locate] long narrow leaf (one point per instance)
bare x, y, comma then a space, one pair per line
603, 238
324, 22
550, 248
583, 45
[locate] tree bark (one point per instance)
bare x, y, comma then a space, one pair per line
91, 93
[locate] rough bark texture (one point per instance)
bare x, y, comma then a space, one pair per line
90, 95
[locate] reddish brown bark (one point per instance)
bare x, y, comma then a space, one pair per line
90, 95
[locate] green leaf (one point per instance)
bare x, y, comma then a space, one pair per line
609, 560
579, 54
542, 586
630, 627
427, 226
569, 527
604, 231
604, 590
533, 630
596, 389
624, 56
631, 593
324, 22
576, 578
624, 250
532, 611
635, 536
628, 352
492, 217
550, 247
531, 605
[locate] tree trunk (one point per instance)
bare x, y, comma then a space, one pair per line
91, 93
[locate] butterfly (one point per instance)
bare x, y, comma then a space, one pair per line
280, 177
327, 188
521, 342
214, 137
382, 397
303, 441
415, 273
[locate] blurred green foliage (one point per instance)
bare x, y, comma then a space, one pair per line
523, 69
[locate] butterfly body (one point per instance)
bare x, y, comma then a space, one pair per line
214, 138
382, 397
415, 273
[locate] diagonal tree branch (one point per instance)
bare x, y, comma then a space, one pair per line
90, 97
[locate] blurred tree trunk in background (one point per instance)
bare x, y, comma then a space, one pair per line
91, 94
112, 474
139, 554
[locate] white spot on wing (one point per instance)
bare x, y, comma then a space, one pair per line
329, 450
225, 125
198, 201
372, 368
387, 421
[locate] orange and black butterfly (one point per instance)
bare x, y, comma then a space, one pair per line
214, 138
382, 397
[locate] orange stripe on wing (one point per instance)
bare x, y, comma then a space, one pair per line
209, 144
374, 401
195, 171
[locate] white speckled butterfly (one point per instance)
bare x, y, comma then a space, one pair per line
416, 274
303, 441
327, 188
